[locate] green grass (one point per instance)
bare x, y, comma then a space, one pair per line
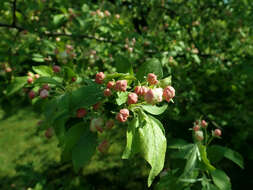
21, 145
29, 160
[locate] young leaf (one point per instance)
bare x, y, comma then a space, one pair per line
152, 145
16, 85
48, 80
155, 110
43, 70
86, 96
122, 98
218, 152
37, 58
203, 154
220, 179
132, 139
84, 149
192, 160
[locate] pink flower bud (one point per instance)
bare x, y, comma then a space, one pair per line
137, 90
130, 49
56, 68
107, 13
154, 95
73, 79
37, 76
30, 80
31, 94
96, 106
80, 113
110, 84
217, 132
109, 124
8, 69
96, 124
121, 85
30, 74
46, 86
107, 92
199, 135
103, 146
44, 93
122, 115
204, 123
196, 127
117, 16
132, 98
49, 133
100, 77
152, 79
168, 93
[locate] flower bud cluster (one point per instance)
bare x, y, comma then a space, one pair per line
200, 126
149, 94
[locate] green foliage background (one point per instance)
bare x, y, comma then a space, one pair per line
206, 46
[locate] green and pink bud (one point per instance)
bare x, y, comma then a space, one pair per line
107, 92
217, 133
30, 80
199, 135
100, 77
204, 123
109, 124
152, 79
154, 96
132, 98
122, 115
168, 93
49, 133
44, 93
110, 84
56, 68
97, 124
196, 127
103, 146
31, 94
121, 85
81, 112
141, 90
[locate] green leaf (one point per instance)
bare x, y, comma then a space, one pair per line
221, 180
86, 96
84, 149
123, 64
38, 58
48, 80
204, 158
122, 98
152, 145
132, 146
58, 19
218, 152
191, 161
16, 85
165, 82
73, 135
43, 70
155, 110
151, 66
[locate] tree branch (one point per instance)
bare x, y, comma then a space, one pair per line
11, 26
14, 16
